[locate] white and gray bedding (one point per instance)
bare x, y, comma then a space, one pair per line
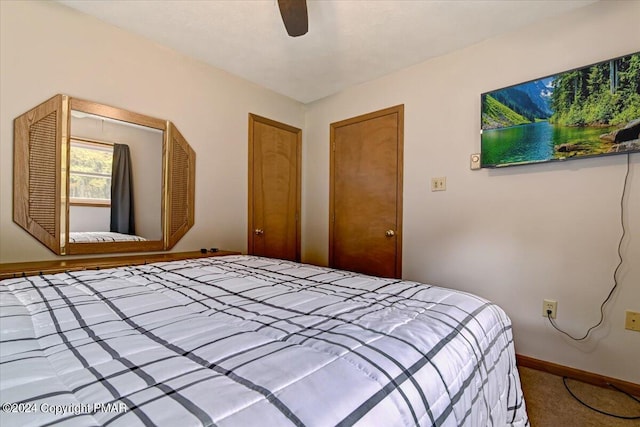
247, 341
102, 237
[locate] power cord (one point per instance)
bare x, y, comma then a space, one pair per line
624, 417
615, 273
615, 285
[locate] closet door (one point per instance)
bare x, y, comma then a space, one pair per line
365, 196
274, 189
40, 172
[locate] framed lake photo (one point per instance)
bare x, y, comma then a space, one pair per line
590, 111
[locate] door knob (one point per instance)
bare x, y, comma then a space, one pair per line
258, 232
390, 233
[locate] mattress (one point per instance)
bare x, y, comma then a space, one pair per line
244, 341
102, 236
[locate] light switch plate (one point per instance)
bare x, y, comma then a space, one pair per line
439, 184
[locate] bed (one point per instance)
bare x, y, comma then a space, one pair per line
242, 341
102, 236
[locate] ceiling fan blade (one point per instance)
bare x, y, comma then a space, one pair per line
294, 16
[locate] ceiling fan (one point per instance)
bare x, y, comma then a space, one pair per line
294, 16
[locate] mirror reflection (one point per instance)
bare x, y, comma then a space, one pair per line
115, 180
91, 179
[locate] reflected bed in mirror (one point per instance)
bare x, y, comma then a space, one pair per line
100, 179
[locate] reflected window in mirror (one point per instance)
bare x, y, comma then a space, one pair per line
90, 169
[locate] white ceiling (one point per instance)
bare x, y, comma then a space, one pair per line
349, 41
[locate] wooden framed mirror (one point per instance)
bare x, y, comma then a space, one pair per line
90, 178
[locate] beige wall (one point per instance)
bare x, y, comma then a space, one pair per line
47, 48
89, 218
515, 235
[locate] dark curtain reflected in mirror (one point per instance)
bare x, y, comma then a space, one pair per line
122, 211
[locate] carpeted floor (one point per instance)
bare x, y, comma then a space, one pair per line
550, 405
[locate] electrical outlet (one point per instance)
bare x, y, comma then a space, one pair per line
632, 321
549, 304
439, 184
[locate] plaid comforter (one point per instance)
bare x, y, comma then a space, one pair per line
244, 341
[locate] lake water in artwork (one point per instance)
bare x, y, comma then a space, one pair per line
536, 142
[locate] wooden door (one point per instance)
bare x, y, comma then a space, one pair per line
274, 189
365, 224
